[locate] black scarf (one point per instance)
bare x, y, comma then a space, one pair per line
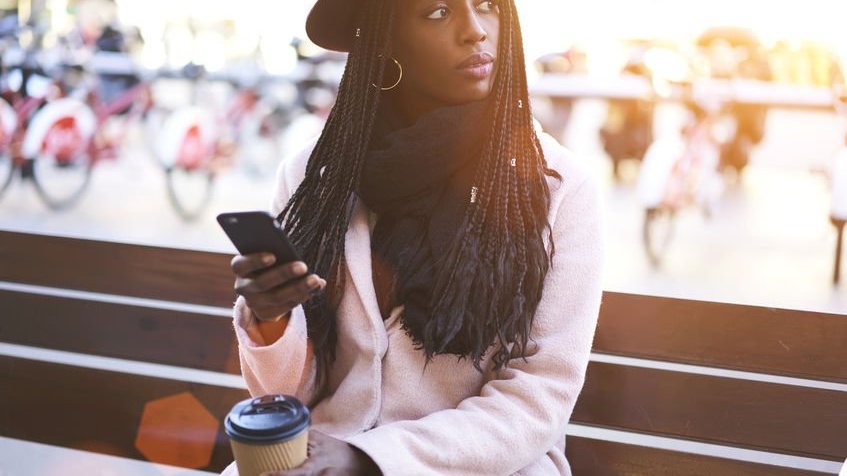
418, 179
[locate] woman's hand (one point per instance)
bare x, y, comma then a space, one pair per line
331, 456
272, 290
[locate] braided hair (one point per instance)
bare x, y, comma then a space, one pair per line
495, 267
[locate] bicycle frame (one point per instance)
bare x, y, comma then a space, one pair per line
699, 157
137, 97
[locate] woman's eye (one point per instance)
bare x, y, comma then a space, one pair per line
438, 14
489, 6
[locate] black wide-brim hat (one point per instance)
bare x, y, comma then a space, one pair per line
331, 24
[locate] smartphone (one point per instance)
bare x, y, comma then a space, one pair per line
256, 232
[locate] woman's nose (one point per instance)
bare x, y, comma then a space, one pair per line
472, 30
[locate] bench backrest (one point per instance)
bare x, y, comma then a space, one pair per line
142, 336
139, 336
749, 382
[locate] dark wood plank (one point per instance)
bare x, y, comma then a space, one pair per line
771, 417
601, 458
117, 330
760, 339
114, 268
100, 411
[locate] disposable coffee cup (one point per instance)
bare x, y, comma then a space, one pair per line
268, 433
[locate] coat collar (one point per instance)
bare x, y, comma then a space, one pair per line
357, 254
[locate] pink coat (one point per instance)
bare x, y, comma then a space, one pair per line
449, 418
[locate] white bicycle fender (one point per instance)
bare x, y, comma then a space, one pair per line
176, 126
52, 113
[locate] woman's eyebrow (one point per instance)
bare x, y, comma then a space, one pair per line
422, 3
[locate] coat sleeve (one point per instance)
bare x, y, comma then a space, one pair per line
287, 365
523, 412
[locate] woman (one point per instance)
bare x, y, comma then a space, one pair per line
456, 255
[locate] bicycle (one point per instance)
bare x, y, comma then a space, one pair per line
43, 130
192, 148
680, 171
253, 129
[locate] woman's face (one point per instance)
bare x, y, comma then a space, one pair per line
448, 51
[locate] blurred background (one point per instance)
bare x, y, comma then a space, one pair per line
717, 129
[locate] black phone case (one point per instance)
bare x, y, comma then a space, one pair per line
256, 232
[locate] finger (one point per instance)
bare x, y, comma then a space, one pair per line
318, 444
313, 282
300, 291
273, 277
270, 279
312, 465
278, 275
244, 265
269, 306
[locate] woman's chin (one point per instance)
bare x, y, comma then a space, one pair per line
476, 92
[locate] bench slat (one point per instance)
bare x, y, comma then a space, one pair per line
26, 458
117, 330
100, 411
758, 339
166, 274
598, 457
771, 417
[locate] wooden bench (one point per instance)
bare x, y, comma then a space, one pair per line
118, 349
138, 340
756, 383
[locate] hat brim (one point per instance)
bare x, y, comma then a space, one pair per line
331, 24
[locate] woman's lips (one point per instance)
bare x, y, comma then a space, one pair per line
478, 71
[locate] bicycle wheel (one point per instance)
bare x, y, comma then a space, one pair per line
7, 171
189, 190
658, 232
61, 182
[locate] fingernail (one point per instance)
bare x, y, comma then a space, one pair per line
300, 267
268, 259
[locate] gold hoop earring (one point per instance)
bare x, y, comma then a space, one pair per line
399, 77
